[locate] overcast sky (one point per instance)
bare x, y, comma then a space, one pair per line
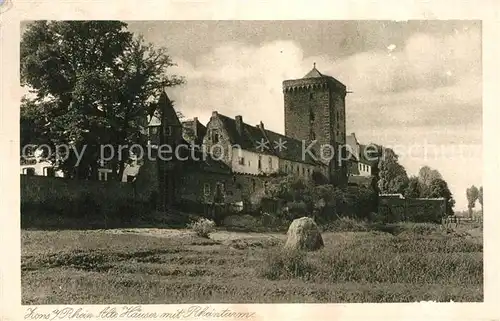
416, 85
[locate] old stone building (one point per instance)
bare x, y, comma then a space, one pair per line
254, 150
238, 159
315, 111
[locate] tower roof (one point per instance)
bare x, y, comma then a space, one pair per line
314, 73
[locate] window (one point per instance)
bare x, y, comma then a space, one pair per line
313, 136
215, 136
253, 184
49, 171
259, 164
311, 116
168, 131
241, 161
153, 130
303, 171
206, 189
30, 171
270, 163
311, 96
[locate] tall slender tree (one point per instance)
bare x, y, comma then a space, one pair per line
472, 194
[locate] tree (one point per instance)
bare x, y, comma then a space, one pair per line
392, 175
480, 197
414, 188
472, 194
94, 84
426, 175
439, 188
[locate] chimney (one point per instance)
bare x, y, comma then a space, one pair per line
239, 123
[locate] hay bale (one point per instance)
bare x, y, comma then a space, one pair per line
303, 234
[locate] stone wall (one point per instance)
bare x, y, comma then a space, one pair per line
68, 203
411, 209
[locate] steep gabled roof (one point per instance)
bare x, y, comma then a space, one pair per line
251, 136
166, 106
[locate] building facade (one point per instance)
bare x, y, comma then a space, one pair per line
363, 164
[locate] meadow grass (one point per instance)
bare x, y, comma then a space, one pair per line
98, 267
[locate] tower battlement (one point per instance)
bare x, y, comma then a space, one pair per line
325, 82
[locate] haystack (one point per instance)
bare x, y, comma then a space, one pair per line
303, 234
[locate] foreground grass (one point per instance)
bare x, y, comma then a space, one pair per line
94, 267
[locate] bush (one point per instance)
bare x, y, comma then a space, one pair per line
202, 227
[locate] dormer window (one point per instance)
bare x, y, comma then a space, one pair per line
215, 136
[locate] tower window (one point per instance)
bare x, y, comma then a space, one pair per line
259, 164
206, 189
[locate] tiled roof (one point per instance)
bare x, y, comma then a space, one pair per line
251, 135
197, 160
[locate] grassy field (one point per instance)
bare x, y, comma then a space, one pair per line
174, 266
